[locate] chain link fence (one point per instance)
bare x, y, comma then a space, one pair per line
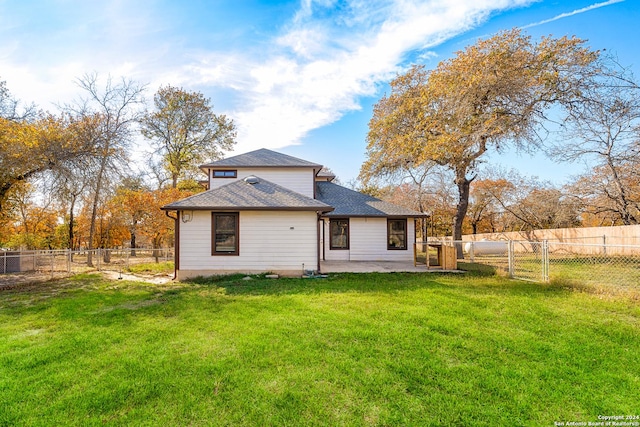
600, 264
25, 266
605, 265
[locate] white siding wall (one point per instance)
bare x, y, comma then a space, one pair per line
300, 180
368, 242
267, 243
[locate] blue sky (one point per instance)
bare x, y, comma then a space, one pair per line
297, 76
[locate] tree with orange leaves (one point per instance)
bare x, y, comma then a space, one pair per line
489, 96
156, 225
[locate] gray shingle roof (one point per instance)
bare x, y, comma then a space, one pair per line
351, 203
261, 158
240, 195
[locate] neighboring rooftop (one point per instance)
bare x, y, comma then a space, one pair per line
351, 203
251, 193
261, 158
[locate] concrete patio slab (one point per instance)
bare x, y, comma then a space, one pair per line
376, 267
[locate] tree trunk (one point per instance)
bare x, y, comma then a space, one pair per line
463, 184
73, 202
156, 251
94, 209
133, 244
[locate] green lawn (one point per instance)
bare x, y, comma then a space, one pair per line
370, 349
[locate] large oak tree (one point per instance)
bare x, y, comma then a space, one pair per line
489, 96
185, 131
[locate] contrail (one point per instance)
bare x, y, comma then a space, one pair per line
575, 12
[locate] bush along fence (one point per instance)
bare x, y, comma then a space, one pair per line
68, 262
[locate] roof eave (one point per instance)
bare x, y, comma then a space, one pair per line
213, 166
417, 215
248, 208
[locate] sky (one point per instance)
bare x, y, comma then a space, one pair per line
297, 76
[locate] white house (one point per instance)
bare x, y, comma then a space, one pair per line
265, 211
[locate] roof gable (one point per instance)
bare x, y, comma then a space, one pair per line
261, 158
251, 193
350, 203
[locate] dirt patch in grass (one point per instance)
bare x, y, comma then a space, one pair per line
10, 281
36, 280
158, 279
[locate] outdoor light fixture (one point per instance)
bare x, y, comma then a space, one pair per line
187, 216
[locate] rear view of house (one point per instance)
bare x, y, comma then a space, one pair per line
265, 211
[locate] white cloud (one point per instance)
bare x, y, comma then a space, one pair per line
323, 63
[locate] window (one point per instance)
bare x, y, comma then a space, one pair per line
224, 174
339, 230
225, 232
396, 234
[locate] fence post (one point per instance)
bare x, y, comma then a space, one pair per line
604, 244
98, 258
545, 261
511, 259
69, 261
472, 251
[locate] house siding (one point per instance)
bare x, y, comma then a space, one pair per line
268, 243
368, 242
300, 180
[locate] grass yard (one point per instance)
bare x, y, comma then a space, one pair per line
362, 350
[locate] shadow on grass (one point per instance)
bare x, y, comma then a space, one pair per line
336, 282
479, 280
603, 290
475, 269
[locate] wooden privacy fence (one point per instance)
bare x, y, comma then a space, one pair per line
581, 237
